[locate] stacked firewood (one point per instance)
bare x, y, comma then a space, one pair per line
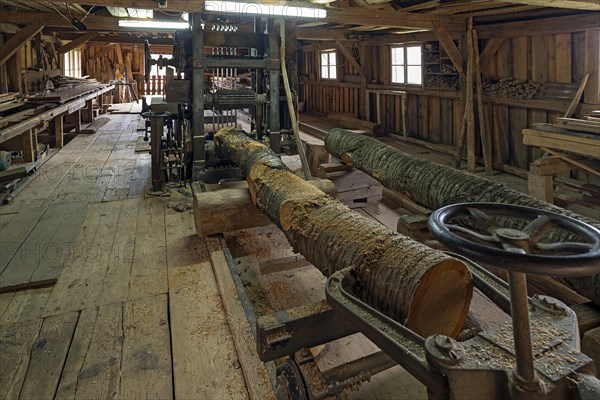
512, 88
441, 81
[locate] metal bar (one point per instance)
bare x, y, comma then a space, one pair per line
155, 141
198, 95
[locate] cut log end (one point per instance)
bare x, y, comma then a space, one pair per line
441, 301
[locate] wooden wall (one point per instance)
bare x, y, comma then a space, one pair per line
435, 115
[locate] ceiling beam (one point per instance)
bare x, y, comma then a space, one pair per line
592, 5
75, 43
172, 5
14, 43
400, 38
393, 19
322, 34
567, 24
93, 22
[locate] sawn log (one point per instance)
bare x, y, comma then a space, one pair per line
434, 185
425, 289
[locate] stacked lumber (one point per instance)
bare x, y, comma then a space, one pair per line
581, 125
65, 89
512, 88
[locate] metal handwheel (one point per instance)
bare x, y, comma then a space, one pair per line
519, 239
527, 241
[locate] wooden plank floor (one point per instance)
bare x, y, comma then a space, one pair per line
135, 311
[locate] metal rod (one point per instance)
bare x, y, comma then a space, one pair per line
524, 374
156, 138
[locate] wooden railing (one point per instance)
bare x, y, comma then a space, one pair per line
155, 86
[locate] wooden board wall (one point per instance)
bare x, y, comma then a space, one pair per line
435, 115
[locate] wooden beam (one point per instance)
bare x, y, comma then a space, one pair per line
322, 34
14, 43
591, 5
449, 47
489, 51
75, 43
172, 5
400, 38
349, 57
566, 24
392, 19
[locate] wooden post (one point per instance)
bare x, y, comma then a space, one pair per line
27, 143
404, 115
88, 112
76, 119
58, 131
483, 131
471, 162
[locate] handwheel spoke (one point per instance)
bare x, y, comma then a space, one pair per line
565, 246
487, 238
536, 228
482, 220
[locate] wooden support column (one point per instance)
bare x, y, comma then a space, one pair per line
58, 130
75, 118
29, 145
471, 161
88, 112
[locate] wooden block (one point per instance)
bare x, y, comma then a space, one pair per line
414, 226
541, 187
226, 210
352, 180
327, 168
316, 155
282, 264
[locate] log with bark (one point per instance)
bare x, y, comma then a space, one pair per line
425, 289
433, 185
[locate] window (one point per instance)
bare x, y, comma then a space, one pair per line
406, 65
328, 64
73, 63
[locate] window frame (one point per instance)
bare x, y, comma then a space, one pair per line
329, 65
405, 64
71, 68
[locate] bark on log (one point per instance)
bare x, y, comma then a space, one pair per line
425, 289
433, 185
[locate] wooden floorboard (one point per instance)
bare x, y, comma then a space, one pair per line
16, 341
48, 355
146, 370
197, 326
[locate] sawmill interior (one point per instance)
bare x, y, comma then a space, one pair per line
313, 199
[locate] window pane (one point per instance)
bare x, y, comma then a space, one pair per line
414, 75
332, 60
324, 71
413, 55
398, 74
324, 59
397, 55
332, 72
